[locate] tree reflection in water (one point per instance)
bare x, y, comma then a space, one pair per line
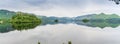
7, 27
24, 26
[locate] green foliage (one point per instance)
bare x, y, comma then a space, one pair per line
5, 15
38, 42
85, 20
0, 21
5, 27
24, 18
56, 20
69, 42
104, 16
24, 21
104, 24
24, 26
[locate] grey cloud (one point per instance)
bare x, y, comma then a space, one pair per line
69, 3
35, 2
45, 4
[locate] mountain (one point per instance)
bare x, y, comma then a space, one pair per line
5, 14
105, 16
55, 20
100, 16
89, 16
99, 20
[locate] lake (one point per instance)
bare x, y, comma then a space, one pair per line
60, 33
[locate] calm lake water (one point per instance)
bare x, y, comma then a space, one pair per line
77, 32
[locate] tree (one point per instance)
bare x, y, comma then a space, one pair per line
25, 18
24, 26
56, 20
69, 42
38, 42
24, 21
85, 20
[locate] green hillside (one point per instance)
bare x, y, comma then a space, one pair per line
104, 16
5, 14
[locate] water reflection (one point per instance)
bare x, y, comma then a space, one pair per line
6, 27
100, 24
24, 26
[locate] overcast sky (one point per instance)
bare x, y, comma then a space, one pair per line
60, 8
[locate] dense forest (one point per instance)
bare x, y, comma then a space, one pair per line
24, 18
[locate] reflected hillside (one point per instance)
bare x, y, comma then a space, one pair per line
100, 24
25, 21
101, 20
6, 27
24, 26
55, 20
90, 23
18, 21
